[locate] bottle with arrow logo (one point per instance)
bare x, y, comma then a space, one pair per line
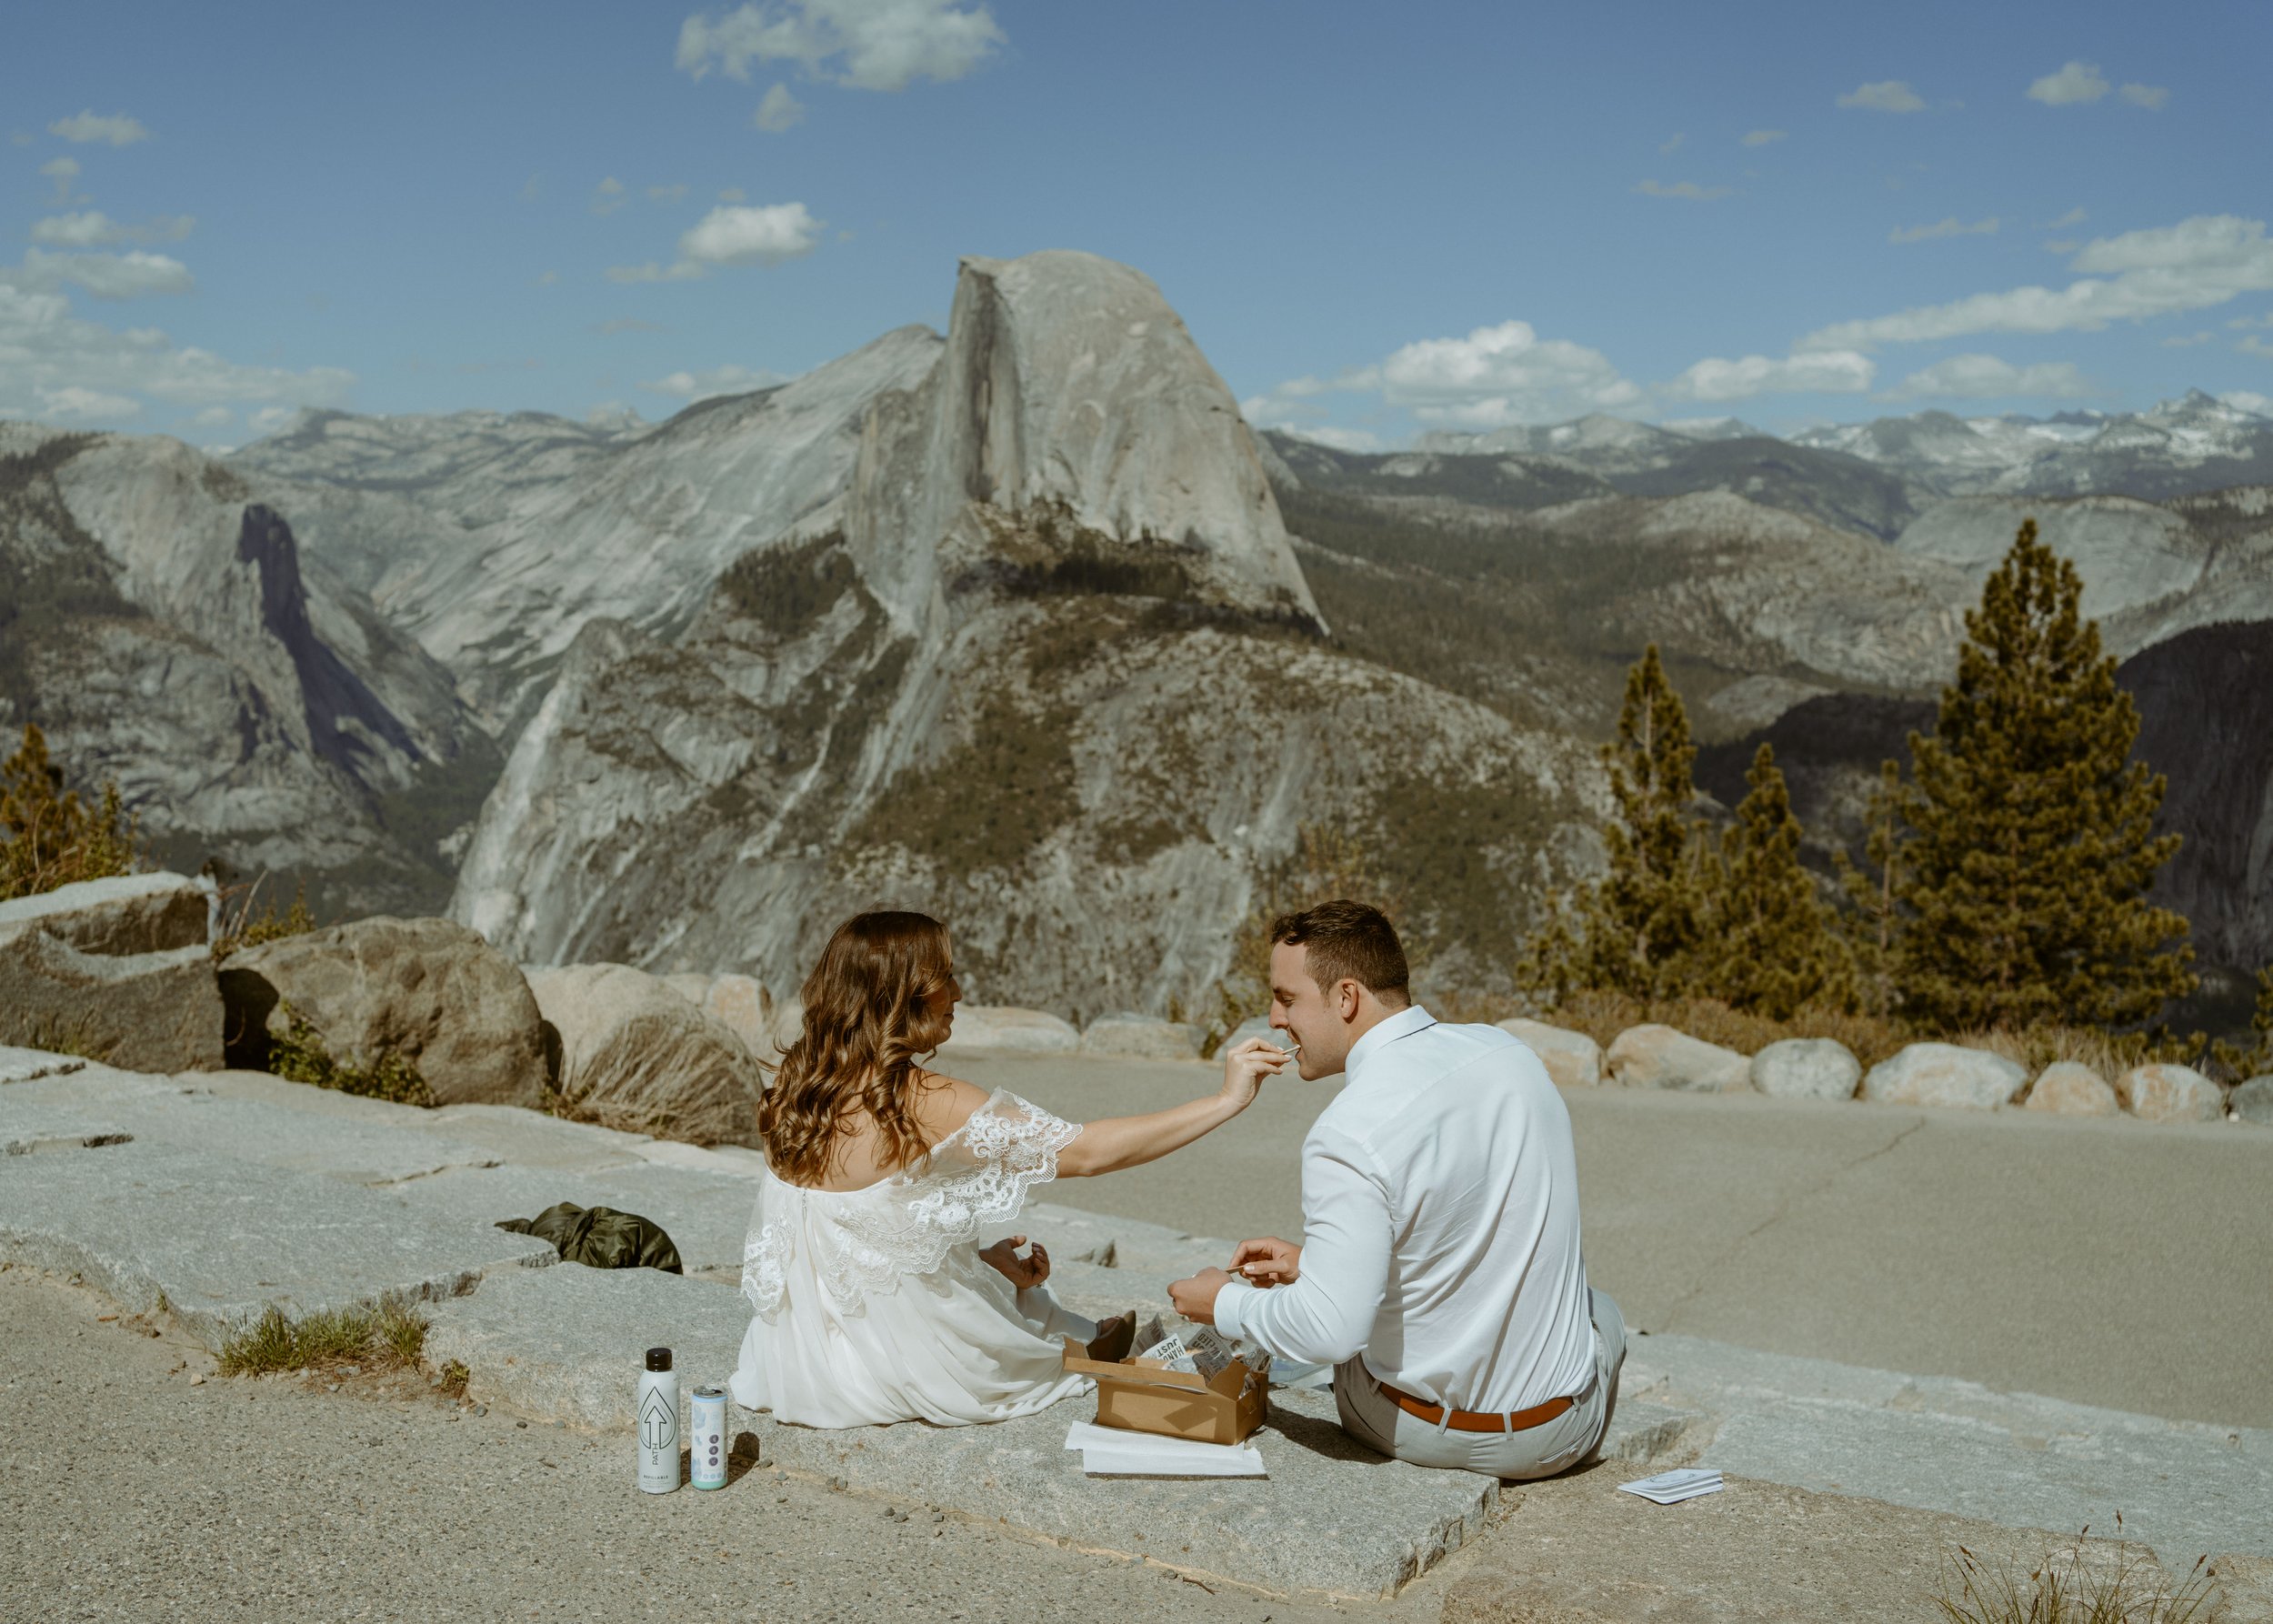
658, 1424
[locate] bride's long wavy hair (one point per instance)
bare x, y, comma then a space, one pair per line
868, 1020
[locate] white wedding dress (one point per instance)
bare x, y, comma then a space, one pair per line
873, 1304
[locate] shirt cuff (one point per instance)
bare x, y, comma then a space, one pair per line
1227, 1305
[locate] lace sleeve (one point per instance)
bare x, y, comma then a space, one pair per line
976, 1176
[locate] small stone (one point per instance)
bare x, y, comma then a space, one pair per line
2170, 1094
559, 1426
433, 1381
331, 1387
1573, 1059
197, 1381
1945, 1074
2253, 1101
351, 1369
938, 1517
481, 1410
2070, 1089
521, 1426
891, 1511
1657, 1057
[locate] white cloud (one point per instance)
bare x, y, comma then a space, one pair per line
653, 271
2252, 321
1951, 226
2061, 245
1764, 138
716, 380
778, 111
217, 417
1828, 372
732, 194
2076, 82
1888, 96
1500, 375
670, 194
72, 401
1681, 188
2187, 340
2197, 262
739, 233
129, 276
2249, 400
269, 419
45, 348
868, 44
2149, 96
608, 196
1985, 377
548, 278
94, 229
2255, 346
1942, 228
2074, 216
65, 172
1671, 144
117, 129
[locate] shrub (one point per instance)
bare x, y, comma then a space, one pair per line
299, 1055
245, 929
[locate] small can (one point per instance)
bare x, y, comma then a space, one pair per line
707, 1420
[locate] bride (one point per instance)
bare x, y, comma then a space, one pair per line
874, 1301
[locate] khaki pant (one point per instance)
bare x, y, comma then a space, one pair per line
1539, 1452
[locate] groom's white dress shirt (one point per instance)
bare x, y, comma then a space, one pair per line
1440, 1226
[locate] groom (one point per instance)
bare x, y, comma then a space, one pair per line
1441, 1271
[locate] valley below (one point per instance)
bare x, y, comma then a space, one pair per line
1023, 625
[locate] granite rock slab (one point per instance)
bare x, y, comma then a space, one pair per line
706, 1214
359, 1147
124, 914
221, 1239
1940, 1444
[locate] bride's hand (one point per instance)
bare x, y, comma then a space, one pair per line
1022, 1272
1245, 1064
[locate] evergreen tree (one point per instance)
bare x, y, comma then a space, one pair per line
1873, 921
2258, 1058
1637, 930
2029, 835
1773, 950
48, 837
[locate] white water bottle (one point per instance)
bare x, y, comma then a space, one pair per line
657, 1422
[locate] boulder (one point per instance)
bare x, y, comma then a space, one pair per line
740, 1004
2170, 1094
1141, 1037
2070, 1090
2253, 1101
1807, 1068
137, 1011
635, 1056
787, 1024
1007, 1030
1946, 1074
691, 985
1572, 1058
429, 991
1656, 1057
126, 914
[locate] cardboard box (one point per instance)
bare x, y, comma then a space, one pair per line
1145, 1396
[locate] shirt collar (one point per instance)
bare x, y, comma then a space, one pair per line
1407, 1021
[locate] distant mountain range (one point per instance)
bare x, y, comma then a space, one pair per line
1022, 624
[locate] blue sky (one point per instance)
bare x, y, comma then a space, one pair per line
1375, 220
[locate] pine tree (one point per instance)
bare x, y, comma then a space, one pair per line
1636, 930
2029, 840
48, 837
1873, 920
1773, 950
2258, 1058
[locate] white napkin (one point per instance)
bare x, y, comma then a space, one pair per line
1116, 1452
1684, 1483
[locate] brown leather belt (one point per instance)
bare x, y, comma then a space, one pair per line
1470, 1420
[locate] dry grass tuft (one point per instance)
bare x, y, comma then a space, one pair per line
2122, 1584
392, 1335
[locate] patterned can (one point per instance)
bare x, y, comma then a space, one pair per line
707, 1420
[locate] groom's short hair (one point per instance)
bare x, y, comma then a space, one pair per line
1345, 940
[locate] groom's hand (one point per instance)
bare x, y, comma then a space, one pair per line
1196, 1299
1269, 1261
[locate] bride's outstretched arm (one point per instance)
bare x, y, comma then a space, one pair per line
1112, 1143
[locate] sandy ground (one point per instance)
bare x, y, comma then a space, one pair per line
126, 1493
2113, 1263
